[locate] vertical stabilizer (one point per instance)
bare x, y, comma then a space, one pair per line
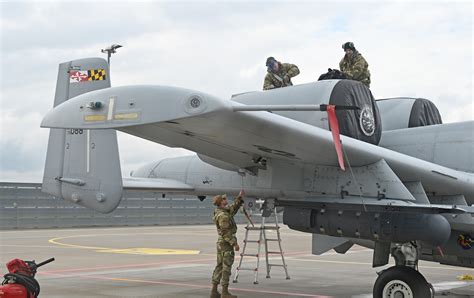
83, 166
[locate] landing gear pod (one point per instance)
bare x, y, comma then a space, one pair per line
432, 229
363, 124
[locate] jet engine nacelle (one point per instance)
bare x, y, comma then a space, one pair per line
433, 229
363, 124
406, 112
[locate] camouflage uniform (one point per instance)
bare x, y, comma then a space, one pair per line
276, 80
226, 228
356, 68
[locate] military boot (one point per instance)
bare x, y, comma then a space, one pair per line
225, 292
214, 292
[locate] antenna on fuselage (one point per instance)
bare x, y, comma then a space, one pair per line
111, 50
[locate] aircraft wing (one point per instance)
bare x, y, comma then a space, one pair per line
208, 125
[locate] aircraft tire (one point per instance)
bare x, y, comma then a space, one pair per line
404, 280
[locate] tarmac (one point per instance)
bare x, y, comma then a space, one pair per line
177, 261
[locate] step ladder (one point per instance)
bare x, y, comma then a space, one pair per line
262, 240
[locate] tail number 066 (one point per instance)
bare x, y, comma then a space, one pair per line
76, 131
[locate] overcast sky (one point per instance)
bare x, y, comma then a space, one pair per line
419, 49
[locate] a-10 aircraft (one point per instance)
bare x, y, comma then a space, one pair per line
402, 183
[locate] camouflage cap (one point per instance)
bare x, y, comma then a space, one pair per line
270, 61
218, 199
348, 45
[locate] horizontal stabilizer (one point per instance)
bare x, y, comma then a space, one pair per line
156, 184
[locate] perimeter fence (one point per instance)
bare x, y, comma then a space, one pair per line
24, 206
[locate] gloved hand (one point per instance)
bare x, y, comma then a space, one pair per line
286, 79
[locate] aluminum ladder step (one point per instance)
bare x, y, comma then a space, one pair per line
249, 255
262, 228
252, 241
246, 268
275, 252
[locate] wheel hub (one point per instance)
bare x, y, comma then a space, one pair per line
397, 289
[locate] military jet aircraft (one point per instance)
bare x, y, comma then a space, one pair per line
402, 183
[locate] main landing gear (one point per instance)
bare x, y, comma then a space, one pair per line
403, 280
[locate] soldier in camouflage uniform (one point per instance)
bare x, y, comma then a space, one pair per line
354, 65
279, 74
226, 243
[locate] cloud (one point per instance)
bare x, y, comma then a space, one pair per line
73, 25
22, 146
420, 49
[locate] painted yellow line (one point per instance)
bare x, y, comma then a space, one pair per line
465, 277
55, 241
135, 251
152, 251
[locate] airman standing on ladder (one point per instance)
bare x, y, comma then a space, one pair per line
226, 243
